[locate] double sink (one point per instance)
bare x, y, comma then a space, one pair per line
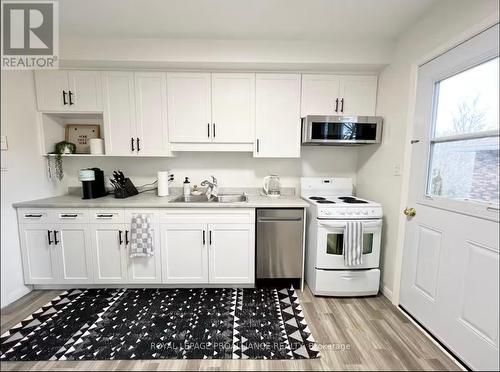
221, 198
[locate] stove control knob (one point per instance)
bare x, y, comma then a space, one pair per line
349, 213
327, 212
342, 213
365, 213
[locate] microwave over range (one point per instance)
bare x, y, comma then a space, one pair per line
341, 130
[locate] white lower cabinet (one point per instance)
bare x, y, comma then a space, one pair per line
192, 247
185, 256
40, 261
232, 253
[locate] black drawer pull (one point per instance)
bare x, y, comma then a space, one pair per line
69, 215
104, 216
32, 215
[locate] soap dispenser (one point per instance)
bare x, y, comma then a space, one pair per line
187, 187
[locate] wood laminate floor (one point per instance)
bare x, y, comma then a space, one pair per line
377, 335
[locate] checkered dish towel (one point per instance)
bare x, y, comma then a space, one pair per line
141, 238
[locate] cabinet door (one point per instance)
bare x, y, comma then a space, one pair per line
189, 107
144, 269
232, 253
73, 244
359, 94
110, 258
50, 87
277, 116
151, 111
119, 113
86, 90
233, 108
320, 95
40, 260
184, 253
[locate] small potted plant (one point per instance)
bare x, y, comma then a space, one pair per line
60, 149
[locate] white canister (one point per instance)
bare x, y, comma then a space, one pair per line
96, 146
163, 183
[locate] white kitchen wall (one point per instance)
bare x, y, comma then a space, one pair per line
230, 169
24, 174
376, 168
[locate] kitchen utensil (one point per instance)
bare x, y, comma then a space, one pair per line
272, 185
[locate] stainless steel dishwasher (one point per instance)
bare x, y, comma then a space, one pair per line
279, 243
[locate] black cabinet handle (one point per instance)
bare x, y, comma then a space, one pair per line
69, 215
48, 236
337, 105
132, 144
342, 105
126, 237
138, 145
32, 215
204, 237
214, 129
258, 145
70, 94
55, 237
210, 237
208, 130
64, 98
104, 215
120, 239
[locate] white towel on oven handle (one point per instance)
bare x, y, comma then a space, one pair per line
353, 243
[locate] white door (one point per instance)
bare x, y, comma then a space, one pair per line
143, 269
277, 116
189, 107
85, 90
73, 244
184, 253
109, 253
151, 110
358, 95
450, 273
233, 108
52, 90
119, 113
232, 253
40, 260
320, 95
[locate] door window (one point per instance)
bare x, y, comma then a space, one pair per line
335, 244
464, 159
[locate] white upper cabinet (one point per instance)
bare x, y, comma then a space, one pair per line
151, 111
277, 116
119, 113
320, 95
233, 108
338, 95
189, 107
358, 95
68, 90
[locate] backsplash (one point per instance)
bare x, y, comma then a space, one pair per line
231, 169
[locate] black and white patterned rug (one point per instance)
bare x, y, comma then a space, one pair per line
102, 324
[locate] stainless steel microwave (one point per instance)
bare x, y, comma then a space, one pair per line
341, 130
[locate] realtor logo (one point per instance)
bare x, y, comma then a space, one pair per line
29, 35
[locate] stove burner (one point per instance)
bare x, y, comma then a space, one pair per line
326, 202
354, 201
346, 197
317, 198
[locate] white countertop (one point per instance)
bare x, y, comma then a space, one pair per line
151, 200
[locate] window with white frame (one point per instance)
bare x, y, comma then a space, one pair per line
464, 161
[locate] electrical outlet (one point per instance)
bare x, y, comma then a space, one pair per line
397, 169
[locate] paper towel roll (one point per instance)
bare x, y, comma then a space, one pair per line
96, 146
163, 183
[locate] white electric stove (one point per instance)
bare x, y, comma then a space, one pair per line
332, 205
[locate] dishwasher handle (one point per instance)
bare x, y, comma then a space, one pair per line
278, 219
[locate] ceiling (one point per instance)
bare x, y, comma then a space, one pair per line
319, 20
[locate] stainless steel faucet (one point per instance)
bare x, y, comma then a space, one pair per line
211, 187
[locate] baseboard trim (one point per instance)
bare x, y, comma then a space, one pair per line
387, 292
16, 295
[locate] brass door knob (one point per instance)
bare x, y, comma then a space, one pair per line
410, 212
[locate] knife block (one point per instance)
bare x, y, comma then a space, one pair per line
128, 190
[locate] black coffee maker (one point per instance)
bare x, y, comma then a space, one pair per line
92, 183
